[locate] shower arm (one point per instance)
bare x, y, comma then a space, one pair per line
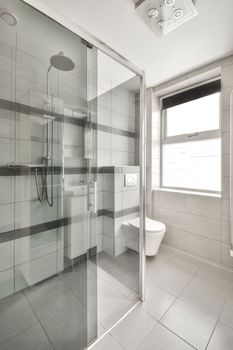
48, 83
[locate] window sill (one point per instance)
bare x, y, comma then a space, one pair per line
204, 194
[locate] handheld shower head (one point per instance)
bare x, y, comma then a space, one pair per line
62, 62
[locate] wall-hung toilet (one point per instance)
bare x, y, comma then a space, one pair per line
155, 231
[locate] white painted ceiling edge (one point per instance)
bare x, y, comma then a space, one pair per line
198, 42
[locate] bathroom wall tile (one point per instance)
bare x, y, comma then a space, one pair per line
120, 158
225, 121
6, 151
100, 202
108, 227
35, 246
225, 209
226, 187
6, 255
6, 189
225, 231
175, 238
225, 143
225, 165
118, 182
130, 199
205, 248
6, 217
175, 219
39, 269
118, 201
204, 226
120, 105
104, 157
108, 182
118, 227
120, 247
6, 283
104, 140
108, 245
227, 260
108, 200
205, 206
99, 243
173, 201
104, 116
7, 123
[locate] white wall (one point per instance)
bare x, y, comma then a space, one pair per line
196, 224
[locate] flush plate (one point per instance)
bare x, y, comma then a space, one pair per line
165, 13
130, 180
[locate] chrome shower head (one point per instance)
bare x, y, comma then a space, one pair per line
62, 62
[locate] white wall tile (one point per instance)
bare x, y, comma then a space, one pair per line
204, 226
205, 206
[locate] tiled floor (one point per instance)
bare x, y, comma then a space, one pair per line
52, 315
189, 305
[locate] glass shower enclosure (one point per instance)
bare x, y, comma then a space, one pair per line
59, 260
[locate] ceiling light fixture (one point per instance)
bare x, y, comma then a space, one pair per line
163, 16
177, 14
162, 24
169, 2
152, 13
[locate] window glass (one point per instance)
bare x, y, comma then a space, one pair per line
194, 116
192, 165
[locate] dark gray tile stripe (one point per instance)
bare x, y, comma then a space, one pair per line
51, 225
6, 171
25, 109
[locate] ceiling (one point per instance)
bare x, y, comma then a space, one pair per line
203, 39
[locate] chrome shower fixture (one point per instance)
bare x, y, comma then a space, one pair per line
162, 16
65, 64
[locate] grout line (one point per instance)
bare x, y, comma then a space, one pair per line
112, 327
37, 317
177, 335
217, 321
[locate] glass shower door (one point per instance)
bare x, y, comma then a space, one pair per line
47, 271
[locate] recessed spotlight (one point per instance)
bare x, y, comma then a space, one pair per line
162, 24
152, 13
177, 14
8, 18
169, 2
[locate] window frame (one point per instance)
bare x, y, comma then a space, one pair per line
188, 137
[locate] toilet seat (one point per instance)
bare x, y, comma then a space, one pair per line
151, 225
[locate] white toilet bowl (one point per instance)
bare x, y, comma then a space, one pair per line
155, 231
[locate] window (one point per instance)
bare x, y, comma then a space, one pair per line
191, 139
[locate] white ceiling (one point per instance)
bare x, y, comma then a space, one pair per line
204, 39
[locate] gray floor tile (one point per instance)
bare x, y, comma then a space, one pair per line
213, 301
222, 338
123, 267
162, 339
157, 301
15, 316
33, 338
107, 343
62, 315
189, 323
131, 331
227, 313
174, 276
112, 305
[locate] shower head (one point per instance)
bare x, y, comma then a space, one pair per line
62, 62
